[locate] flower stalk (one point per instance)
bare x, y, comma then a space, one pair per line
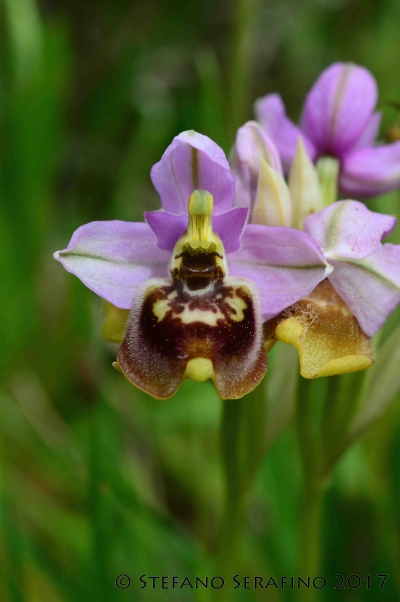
243, 445
311, 510
242, 54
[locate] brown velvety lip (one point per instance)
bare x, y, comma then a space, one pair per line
169, 327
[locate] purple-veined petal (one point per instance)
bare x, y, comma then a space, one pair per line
114, 258
251, 145
370, 287
271, 113
168, 227
193, 162
371, 171
338, 108
370, 132
348, 229
284, 263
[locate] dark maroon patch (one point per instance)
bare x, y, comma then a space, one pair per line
198, 271
154, 353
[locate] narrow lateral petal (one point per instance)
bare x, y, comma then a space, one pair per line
348, 229
271, 113
193, 162
229, 226
284, 263
113, 258
371, 171
338, 108
168, 227
370, 287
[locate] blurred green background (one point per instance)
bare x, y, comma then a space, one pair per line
96, 478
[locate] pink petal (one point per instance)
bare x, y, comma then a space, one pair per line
347, 229
370, 132
284, 263
271, 113
370, 287
193, 162
338, 107
371, 171
366, 273
114, 258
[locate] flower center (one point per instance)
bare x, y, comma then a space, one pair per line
198, 260
200, 233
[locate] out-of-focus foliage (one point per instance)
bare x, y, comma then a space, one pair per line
97, 479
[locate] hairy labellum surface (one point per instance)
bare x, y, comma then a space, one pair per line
173, 334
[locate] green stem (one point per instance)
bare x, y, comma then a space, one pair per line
243, 443
348, 392
307, 429
311, 513
339, 408
233, 518
241, 62
310, 533
232, 535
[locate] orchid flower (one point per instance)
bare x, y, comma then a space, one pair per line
188, 317
331, 327
338, 121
